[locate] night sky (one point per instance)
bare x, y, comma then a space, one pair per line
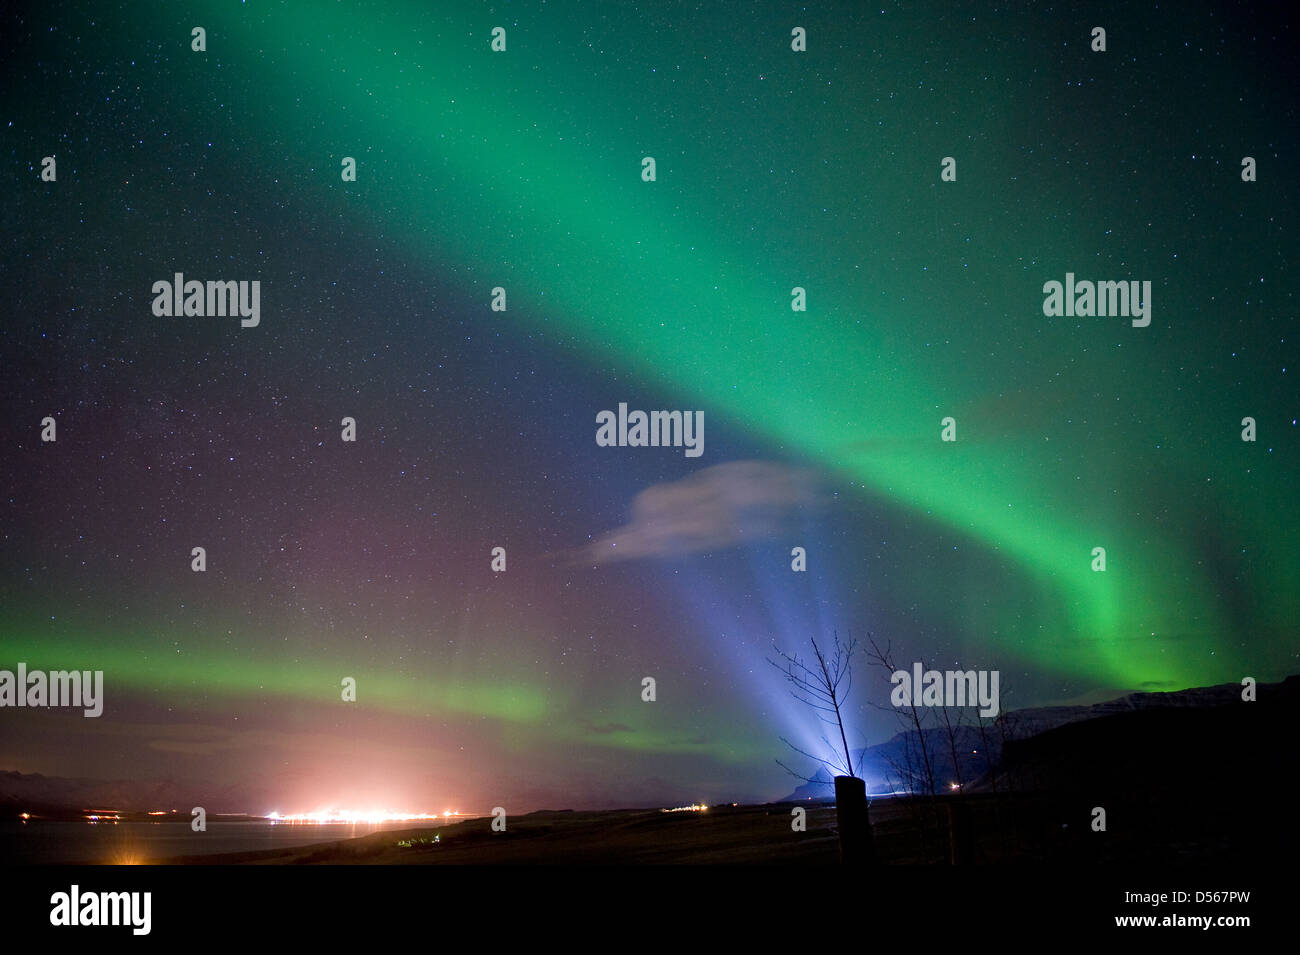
476, 428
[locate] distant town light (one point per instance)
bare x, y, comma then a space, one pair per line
352, 816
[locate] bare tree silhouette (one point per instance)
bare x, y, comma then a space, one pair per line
824, 687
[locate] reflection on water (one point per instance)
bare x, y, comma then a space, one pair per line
130, 843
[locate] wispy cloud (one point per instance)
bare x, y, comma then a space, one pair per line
713, 509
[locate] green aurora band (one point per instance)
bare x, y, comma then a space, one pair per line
471, 165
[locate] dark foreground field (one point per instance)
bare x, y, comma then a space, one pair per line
988, 829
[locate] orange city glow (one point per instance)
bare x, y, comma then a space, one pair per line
372, 816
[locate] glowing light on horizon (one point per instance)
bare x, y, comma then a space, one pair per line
693, 807
353, 816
